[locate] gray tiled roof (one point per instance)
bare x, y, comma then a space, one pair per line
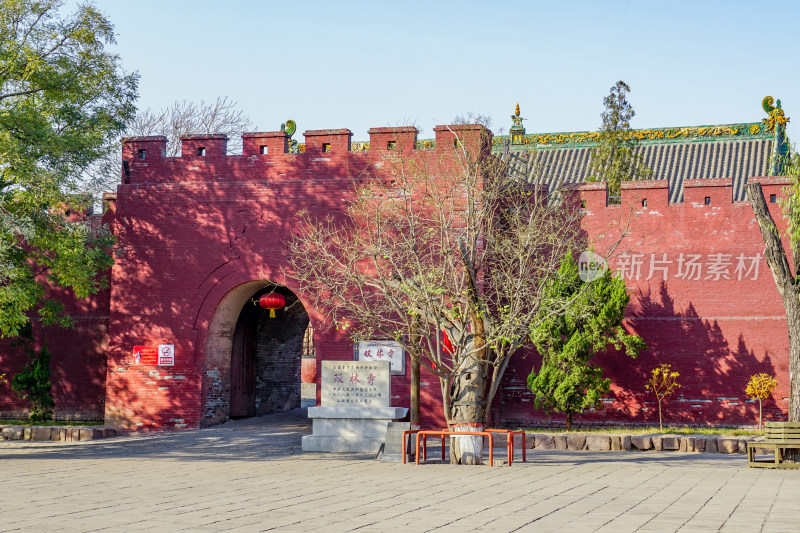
673, 161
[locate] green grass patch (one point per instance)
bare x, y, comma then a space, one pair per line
672, 430
50, 423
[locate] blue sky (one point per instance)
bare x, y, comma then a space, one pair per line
356, 65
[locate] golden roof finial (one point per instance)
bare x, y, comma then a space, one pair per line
517, 111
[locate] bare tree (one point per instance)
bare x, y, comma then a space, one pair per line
787, 277
446, 254
178, 120
474, 118
187, 118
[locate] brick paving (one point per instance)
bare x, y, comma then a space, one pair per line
250, 475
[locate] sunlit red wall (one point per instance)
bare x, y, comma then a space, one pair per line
717, 321
192, 229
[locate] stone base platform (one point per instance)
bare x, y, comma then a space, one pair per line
316, 443
57, 433
349, 429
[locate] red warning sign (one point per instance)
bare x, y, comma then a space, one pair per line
145, 355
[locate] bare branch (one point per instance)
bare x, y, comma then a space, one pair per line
439, 242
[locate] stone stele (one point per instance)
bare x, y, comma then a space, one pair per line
356, 383
355, 410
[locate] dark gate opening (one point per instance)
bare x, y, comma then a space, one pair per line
266, 356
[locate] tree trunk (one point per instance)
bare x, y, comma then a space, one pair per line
414, 417
465, 450
760, 417
468, 404
788, 289
568, 424
415, 341
660, 422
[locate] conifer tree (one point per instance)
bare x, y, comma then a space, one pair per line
615, 159
33, 382
567, 381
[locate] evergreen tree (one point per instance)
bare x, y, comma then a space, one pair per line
33, 383
63, 98
567, 381
615, 159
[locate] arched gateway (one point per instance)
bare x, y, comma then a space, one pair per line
252, 360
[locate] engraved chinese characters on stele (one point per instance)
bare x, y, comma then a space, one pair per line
662, 266
356, 383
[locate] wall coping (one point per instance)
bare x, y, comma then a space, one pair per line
314, 133
203, 136
143, 138
262, 134
399, 129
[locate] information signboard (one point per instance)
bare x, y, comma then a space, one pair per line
382, 350
161, 355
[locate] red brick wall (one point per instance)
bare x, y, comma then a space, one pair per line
715, 332
78, 363
77, 368
183, 247
198, 235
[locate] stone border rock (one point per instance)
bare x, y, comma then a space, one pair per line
55, 433
598, 442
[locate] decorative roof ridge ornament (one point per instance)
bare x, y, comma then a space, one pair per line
776, 123
719, 132
517, 131
289, 127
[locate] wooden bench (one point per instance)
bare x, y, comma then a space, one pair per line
780, 436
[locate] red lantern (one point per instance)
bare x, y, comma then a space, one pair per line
272, 301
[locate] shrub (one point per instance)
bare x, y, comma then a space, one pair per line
760, 387
33, 382
662, 383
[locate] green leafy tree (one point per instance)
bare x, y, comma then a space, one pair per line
567, 381
615, 158
33, 383
63, 98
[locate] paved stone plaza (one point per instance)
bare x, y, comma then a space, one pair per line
250, 475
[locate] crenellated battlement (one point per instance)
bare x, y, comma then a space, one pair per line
196, 146
270, 154
654, 194
333, 154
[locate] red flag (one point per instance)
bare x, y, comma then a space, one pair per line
448, 346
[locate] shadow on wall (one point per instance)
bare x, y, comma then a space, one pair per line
713, 370
77, 366
199, 230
